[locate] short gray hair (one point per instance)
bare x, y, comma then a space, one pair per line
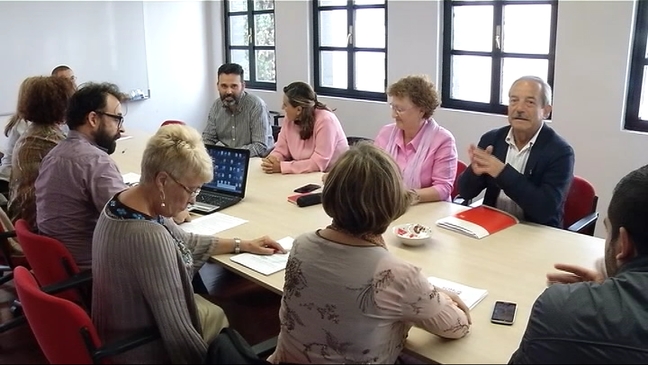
545, 89
178, 150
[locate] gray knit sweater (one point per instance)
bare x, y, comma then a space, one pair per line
140, 281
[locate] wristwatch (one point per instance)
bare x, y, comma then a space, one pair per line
415, 196
237, 246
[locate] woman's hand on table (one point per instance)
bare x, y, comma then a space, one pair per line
271, 164
262, 246
182, 217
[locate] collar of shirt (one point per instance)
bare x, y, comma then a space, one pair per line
239, 105
510, 140
415, 142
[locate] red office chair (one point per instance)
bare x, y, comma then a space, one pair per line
461, 167
53, 264
63, 330
580, 213
167, 122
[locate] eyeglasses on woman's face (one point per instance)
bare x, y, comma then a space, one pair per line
193, 193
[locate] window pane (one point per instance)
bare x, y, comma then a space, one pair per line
265, 66
370, 71
333, 69
240, 56
643, 104
370, 28
237, 5
333, 28
263, 4
368, 2
238, 30
264, 30
472, 28
332, 3
527, 28
471, 78
514, 68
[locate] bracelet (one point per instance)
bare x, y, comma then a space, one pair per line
237, 246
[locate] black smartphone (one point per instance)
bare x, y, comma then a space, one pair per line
307, 188
504, 312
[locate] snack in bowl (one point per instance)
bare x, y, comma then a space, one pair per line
412, 234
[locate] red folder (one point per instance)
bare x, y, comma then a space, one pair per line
478, 222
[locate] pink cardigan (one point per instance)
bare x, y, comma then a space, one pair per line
439, 167
317, 153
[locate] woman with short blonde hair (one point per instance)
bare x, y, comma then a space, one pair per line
346, 299
425, 152
142, 262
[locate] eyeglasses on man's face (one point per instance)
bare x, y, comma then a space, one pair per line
118, 118
193, 193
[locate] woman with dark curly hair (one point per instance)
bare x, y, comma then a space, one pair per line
424, 151
311, 137
45, 105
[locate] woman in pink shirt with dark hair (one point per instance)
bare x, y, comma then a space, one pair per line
424, 151
311, 137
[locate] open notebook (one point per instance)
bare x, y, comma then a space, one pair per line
266, 264
469, 295
478, 222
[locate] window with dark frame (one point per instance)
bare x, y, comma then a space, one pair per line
636, 118
489, 44
350, 48
250, 40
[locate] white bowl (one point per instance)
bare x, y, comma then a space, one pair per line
412, 234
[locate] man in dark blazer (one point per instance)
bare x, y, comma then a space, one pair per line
526, 167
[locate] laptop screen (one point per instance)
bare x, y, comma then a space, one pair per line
230, 169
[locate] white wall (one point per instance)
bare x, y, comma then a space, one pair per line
592, 55
183, 42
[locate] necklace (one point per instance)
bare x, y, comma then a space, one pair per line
374, 239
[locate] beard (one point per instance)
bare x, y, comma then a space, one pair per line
104, 140
230, 100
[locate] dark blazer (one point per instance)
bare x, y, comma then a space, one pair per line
542, 189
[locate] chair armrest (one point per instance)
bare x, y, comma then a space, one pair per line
84, 277
128, 343
583, 223
265, 348
7, 234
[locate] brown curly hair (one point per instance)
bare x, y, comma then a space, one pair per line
46, 100
420, 90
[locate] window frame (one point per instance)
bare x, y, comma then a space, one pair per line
638, 60
496, 54
350, 92
251, 47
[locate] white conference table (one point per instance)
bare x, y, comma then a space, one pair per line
510, 264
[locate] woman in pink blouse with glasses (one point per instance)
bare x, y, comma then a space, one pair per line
424, 151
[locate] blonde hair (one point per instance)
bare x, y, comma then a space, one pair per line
420, 90
364, 191
179, 151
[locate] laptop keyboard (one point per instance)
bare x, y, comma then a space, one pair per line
215, 200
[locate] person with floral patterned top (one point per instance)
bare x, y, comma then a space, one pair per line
346, 298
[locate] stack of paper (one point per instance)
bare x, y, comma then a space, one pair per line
212, 224
469, 295
266, 264
131, 178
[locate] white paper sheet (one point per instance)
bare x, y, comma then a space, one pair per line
131, 178
212, 223
266, 264
469, 295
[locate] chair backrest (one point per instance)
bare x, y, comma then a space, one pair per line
58, 324
50, 261
461, 166
167, 122
581, 201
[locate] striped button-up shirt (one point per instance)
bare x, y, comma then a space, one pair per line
247, 127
